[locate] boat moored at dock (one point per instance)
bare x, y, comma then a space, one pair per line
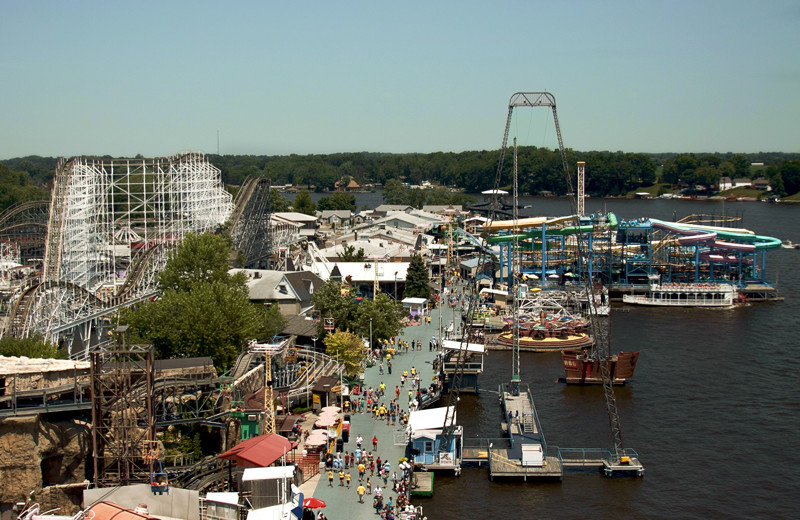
686, 295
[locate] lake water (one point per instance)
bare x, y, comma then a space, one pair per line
713, 409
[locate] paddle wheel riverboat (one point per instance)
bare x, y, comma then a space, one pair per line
687, 295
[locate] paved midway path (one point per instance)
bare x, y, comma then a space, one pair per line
342, 503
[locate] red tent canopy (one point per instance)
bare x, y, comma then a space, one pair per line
259, 452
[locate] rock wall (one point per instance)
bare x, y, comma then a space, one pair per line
48, 458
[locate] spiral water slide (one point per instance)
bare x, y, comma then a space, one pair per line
747, 241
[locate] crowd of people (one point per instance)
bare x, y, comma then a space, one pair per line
363, 468
364, 465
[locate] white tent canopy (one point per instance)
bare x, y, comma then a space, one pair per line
469, 347
270, 473
432, 419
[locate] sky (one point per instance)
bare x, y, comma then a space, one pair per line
278, 78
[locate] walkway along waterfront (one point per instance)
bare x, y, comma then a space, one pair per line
343, 502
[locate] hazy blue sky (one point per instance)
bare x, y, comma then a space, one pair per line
158, 78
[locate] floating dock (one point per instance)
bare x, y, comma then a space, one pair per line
422, 485
526, 456
524, 453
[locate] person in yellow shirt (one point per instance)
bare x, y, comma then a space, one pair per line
361, 469
341, 478
361, 490
330, 478
347, 479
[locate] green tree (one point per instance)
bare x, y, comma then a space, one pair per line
32, 347
386, 314
211, 319
790, 174
349, 254
199, 258
304, 204
348, 348
339, 200
417, 279
383, 313
741, 165
437, 196
270, 322
277, 201
202, 311
331, 303
17, 187
394, 192
462, 199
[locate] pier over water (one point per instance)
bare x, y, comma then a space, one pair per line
527, 455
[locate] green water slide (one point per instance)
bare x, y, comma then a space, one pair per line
759, 241
569, 230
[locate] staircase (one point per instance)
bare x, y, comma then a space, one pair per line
527, 423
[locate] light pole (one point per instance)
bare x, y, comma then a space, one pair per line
341, 393
370, 334
395, 285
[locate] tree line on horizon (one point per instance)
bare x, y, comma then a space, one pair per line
540, 170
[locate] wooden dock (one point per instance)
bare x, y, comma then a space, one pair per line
502, 466
524, 454
423, 484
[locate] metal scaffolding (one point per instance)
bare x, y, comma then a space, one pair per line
111, 226
123, 422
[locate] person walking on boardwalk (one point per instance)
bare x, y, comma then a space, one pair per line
347, 479
361, 469
389, 366
369, 486
375, 443
341, 478
361, 490
330, 478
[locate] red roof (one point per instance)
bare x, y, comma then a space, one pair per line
259, 452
